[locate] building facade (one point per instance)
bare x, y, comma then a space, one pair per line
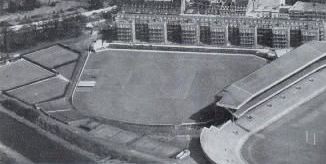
248, 36
156, 32
189, 33
219, 35
244, 32
281, 37
309, 35
124, 31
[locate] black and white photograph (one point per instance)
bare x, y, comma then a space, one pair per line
162, 81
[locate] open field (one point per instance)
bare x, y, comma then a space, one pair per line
298, 138
21, 72
52, 56
148, 87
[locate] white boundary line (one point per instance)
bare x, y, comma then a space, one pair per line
181, 52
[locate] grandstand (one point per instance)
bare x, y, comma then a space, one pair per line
265, 82
52, 56
39, 76
285, 88
21, 72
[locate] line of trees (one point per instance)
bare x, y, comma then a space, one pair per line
23, 5
30, 35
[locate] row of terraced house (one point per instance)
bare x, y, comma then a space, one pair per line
205, 30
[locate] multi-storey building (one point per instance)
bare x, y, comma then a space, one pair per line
205, 33
295, 37
124, 31
4, 5
151, 6
141, 28
265, 36
218, 9
281, 37
233, 10
213, 9
189, 33
212, 30
234, 35
219, 34
174, 31
156, 32
309, 35
248, 36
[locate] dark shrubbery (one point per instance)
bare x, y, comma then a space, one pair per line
23, 5
109, 34
20, 110
95, 4
30, 35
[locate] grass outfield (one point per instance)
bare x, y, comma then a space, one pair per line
298, 138
21, 72
148, 87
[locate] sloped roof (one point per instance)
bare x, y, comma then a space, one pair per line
308, 6
242, 91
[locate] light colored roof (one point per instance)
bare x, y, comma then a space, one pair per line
267, 5
244, 90
308, 6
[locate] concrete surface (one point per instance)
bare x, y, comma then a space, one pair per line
298, 138
217, 142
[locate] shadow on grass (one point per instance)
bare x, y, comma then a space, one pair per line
213, 114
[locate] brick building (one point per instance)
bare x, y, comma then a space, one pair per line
142, 32
219, 34
236, 31
174, 32
189, 33
248, 36
309, 35
156, 32
205, 33
151, 6
124, 31
281, 37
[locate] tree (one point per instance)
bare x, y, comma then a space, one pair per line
12, 7
95, 4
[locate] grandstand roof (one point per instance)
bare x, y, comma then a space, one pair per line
244, 90
52, 56
21, 72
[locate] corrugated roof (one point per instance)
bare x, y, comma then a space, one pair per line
242, 91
